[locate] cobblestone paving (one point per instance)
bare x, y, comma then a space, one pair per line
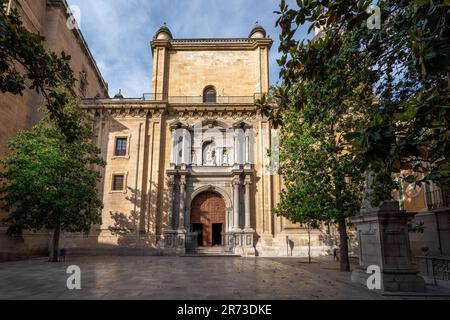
180, 279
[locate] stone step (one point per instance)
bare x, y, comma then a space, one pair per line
202, 250
209, 255
210, 252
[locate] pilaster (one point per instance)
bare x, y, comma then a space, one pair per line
236, 187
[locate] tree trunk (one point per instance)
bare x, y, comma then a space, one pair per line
55, 250
344, 263
309, 245
343, 245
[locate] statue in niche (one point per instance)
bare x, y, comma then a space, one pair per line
194, 158
180, 148
213, 156
225, 157
209, 154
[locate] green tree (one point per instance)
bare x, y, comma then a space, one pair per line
25, 63
302, 199
370, 99
319, 113
409, 62
321, 186
51, 183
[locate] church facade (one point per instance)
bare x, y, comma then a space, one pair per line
188, 165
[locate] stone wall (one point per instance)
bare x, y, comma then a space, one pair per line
232, 73
294, 242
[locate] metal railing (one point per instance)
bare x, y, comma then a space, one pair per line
162, 97
192, 240
438, 199
441, 269
155, 97
199, 99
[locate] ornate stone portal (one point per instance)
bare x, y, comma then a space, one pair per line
211, 141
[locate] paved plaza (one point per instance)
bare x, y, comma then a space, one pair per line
181, 279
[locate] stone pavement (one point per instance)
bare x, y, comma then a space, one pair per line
181, 279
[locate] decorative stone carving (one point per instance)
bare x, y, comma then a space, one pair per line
225, 158
194, 158
209, 154
368, 190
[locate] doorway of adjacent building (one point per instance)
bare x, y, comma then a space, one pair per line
208, 218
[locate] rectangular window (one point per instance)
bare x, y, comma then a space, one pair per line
121, 147
118, 182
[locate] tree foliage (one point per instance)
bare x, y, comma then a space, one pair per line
407, 67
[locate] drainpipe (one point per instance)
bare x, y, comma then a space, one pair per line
438, 229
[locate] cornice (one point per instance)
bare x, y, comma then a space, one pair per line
122, 103
233, 112
212, 44
130, 105
212, 108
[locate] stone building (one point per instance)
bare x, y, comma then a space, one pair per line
50, 19
188, 165
428, 206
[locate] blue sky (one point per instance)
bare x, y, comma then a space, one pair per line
119, 32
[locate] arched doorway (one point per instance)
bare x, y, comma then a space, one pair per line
208, 218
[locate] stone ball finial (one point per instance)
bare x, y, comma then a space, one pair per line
119, 95
258, 31
163, 32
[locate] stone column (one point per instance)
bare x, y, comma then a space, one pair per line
187, 150
219, 156
247, 147
236, 186
181, 226
236, 148
171, 193
248, 182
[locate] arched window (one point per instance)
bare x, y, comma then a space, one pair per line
209, 95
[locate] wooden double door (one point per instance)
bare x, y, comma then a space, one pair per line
208, 218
